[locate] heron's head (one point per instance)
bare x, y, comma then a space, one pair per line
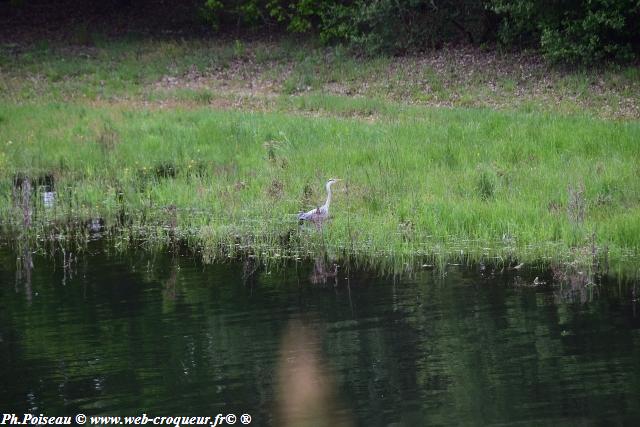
331, 182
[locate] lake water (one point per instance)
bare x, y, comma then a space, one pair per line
124, 335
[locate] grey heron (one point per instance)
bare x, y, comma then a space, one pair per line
319, 214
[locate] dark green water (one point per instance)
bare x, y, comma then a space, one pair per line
126, 335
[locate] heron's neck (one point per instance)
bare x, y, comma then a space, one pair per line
328, 196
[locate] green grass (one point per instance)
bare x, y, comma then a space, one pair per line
217, 143
419, 184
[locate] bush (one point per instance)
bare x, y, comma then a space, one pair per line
390, 26
577, 31
395, 26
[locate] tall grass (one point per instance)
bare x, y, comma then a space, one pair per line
420, 185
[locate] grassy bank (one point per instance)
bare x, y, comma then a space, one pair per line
217, 143
420, 185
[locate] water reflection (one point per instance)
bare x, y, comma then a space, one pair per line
323, 271
307, 393
162, 334
69, 261
249, 269
95, 226
575, 285
22, 200
23, 272
169, 285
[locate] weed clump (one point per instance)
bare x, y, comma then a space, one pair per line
108, 137
486, 185
576, 205
166, 170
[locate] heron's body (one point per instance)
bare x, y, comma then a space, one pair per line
320, 213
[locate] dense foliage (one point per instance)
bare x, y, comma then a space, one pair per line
566, 31
572, 31
375, 26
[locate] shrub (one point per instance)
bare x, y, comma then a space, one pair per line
395, 26
577, 31
390, 26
